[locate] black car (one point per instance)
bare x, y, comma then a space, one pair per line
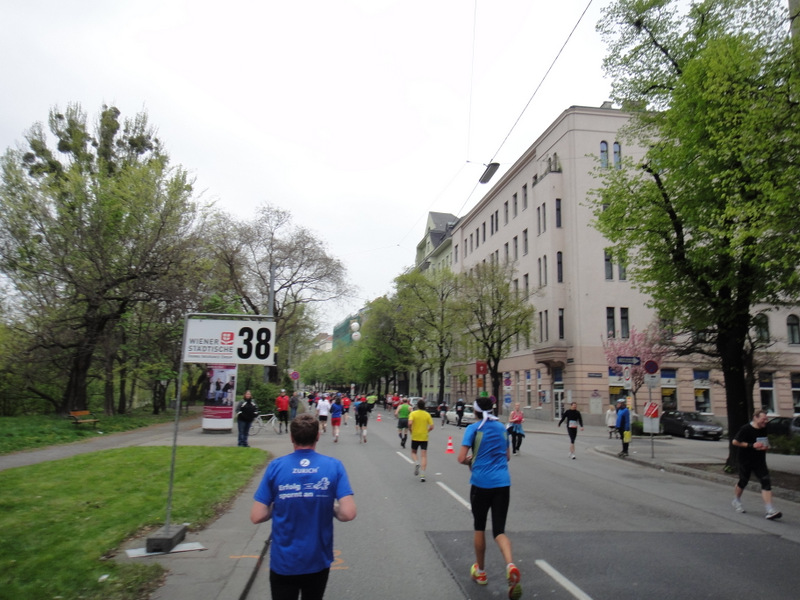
789, 426
690, 424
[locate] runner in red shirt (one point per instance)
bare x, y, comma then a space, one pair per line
282, 405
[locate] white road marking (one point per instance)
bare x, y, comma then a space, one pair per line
563, 581
466, 504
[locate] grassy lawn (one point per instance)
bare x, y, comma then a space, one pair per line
25, 433
60, 521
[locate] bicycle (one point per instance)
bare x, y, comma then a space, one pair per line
259, 422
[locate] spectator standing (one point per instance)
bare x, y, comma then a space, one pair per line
485, 449
247, 412
611, 421
623, 426
282, 406
753, 444
294, 402
302, 522
573, 418
420, 423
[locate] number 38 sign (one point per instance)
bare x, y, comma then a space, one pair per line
223, 341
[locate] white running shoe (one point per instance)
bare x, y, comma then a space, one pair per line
737, 505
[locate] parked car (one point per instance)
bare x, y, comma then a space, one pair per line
469, 416
690, 424
789, 426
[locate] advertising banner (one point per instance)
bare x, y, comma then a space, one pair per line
220, 397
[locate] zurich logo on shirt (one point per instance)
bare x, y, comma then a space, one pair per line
305, 462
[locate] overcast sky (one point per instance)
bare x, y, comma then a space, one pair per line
357, 116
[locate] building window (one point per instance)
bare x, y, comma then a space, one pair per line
558, 212
604, 154
515, 242
766, 387
505, 212
526, 285
761, 324
514, 206
559, 267
617, 156
491, 224
702, 391
544, 268
477, 237
538, 220
795, 378
541, 326
546, 326
609, 267
525, 242
623, 272
561, 323
471, 248
524, 196
793, 329
624, 326
483, 231
611, 325
539, 262
455, 253
516, 288
505, 251
544, 217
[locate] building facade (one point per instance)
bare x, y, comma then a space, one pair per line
537, 217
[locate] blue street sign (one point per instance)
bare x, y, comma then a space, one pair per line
507, 398
629, 360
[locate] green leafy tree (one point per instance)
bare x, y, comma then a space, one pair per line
492, 314
90, 225
429, 310
708, 219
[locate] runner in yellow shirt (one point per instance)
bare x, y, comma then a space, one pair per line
420, 423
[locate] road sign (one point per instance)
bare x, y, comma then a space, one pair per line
507, 398
229, 341
652, 381
295, 375
626, 376
629, 360
507, 381
651, 367
651, 410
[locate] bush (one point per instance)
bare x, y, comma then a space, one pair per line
637, 428
782, 444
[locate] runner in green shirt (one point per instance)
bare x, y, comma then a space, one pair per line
402, 413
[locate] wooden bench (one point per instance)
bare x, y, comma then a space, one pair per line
80, 417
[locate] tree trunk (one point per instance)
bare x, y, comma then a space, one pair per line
730, 344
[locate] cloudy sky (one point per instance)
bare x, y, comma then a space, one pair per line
357, 116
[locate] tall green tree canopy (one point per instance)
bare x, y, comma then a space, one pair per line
708, 219
92, 221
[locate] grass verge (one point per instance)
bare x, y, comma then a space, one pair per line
62, 520
37, 431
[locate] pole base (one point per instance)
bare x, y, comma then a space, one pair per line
165, 540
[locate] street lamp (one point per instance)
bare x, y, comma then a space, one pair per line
356, 335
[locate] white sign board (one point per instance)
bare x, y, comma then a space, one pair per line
228, 341
652, 380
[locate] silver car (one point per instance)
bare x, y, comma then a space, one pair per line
690, 424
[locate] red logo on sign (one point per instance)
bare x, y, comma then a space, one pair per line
226, 338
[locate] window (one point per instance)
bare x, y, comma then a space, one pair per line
544, 218
541, 326
525, 242
539, 261
609, 267
544, 266
558, 212
766, 387
491, 224
793, 329
611, 325
623, 272
538, 220
624, 326
505, 251
477, 237
559, 267
795, 379
455, 253
525, 196
483, 231
505, 212
561, 323
514, 207
702, 391
515, 243
604, 154
516, 288
471, 248
617, 156
546, 326
525, 285
761, 324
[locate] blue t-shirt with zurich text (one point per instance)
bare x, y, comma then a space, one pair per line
302, 487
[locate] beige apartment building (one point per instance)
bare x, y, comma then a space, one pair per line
537, 217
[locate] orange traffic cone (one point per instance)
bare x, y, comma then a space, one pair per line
379, 417
450, 445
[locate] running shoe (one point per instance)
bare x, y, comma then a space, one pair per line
737, 505
514, 585
416, 470
773, 514
422, 479
479, 578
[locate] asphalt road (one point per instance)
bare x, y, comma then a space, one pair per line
595, 527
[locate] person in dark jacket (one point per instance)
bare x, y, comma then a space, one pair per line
247, 412
573, 418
